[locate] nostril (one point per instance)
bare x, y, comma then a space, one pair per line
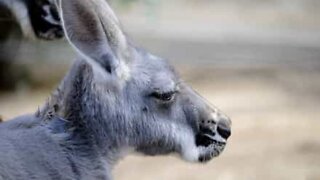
224, 130
211, 121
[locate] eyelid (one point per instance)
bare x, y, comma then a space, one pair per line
160, 91
176, 89
165, 92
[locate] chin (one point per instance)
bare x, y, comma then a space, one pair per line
211, 151
202, 154
204, 149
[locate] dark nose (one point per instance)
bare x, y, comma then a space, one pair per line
224, 129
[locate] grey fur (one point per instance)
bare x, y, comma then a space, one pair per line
110, 102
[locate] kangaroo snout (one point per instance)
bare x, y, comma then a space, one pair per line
215, 129
212, 135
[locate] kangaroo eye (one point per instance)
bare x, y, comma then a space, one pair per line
165, 97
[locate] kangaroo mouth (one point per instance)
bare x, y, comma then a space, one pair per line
209, 146
206, 140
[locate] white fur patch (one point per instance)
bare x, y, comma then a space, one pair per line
214, 116
190, 152
123, 71
185, 137
152, 57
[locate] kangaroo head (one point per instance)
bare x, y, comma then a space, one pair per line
138, 98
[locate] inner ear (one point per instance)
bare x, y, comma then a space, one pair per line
93, 30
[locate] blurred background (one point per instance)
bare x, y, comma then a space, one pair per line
256, 60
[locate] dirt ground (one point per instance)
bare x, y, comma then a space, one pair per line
275, 132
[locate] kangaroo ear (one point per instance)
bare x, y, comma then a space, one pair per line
94, 31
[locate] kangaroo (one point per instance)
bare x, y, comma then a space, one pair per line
22, 20
36, 19
116, 99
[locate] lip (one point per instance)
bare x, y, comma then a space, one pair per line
214, 140
207, 140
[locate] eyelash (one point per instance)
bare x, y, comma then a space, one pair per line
165, 97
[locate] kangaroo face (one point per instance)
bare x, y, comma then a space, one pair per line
158, 95
156, 112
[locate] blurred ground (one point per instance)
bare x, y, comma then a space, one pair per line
258, 62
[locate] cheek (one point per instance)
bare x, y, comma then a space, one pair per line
191, 116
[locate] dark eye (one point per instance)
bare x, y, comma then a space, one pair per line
165, 97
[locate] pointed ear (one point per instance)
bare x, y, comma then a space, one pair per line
93, 30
